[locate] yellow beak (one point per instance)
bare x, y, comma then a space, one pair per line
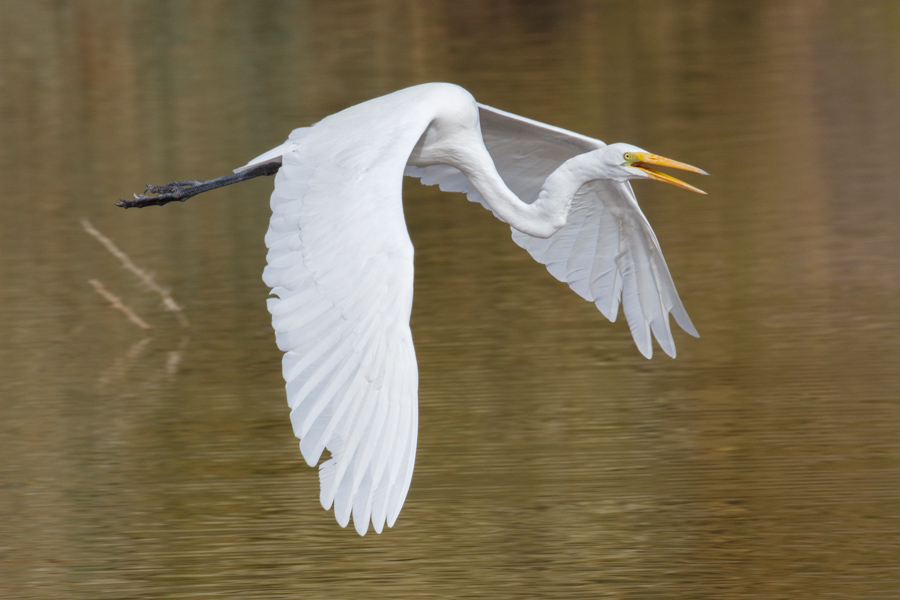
643, 161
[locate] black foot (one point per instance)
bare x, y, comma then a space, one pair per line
170, 188
163, 194
179, 191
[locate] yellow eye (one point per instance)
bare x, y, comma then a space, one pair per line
627, 156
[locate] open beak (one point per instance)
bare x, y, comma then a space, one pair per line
644, 161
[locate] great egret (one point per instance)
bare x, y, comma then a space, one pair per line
340, 261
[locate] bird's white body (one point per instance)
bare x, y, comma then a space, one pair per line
340, 263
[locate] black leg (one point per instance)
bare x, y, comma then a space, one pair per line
182, 190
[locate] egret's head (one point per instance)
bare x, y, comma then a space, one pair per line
635, 162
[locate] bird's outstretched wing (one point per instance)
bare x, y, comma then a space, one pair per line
606, 251
340, 265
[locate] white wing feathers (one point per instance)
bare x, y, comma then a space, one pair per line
606, 252
340, 265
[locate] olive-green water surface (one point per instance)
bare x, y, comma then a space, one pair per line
554, 461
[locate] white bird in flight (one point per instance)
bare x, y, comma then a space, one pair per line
340, 261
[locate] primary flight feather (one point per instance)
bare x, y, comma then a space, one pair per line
340, 261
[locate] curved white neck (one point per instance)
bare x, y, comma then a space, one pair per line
546, 215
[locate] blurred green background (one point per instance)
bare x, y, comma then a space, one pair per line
553, 460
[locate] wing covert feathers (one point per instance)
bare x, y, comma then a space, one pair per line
606, 252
